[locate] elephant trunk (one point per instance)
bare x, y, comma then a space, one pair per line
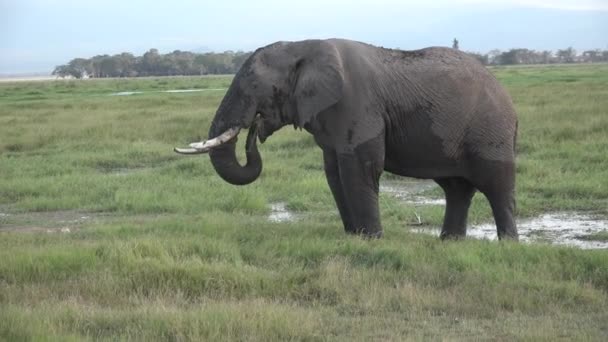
223, 159
236, 111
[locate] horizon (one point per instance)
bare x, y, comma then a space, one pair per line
38, 35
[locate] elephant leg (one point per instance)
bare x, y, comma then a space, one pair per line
499, 188
332, 172
502, 202
458, 195
360, 176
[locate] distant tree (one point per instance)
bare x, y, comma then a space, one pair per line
546, 57
592, 56
80, 67
494, 56
520, 56
110, 67
199, 65
150, 63
126, 65
218, 63
97, 67
62, 71
567, 55
77, 68
455, 44
183, 62
480, 57
510, 57
239, 58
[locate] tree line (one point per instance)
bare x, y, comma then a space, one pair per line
152, 63
526, 56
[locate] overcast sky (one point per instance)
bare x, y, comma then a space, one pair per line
37, 35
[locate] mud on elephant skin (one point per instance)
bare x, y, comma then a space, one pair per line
434, 113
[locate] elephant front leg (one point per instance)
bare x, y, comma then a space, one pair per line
332, 172
360, 176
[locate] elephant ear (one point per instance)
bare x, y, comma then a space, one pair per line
318, 85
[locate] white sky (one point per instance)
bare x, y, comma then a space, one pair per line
36, 35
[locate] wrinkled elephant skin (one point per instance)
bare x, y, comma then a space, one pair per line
434, 113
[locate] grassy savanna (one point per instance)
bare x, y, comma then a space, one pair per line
160, 248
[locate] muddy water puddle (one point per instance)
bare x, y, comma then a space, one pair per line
172, 91
279, 213
565, 228
126, 93
561, 228
569, 229
410, 191
44, 222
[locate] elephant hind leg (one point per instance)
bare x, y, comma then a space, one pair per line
503, 207
497, 182
458, 193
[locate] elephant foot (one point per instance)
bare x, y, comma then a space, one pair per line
508, 237
350, 231
373, 236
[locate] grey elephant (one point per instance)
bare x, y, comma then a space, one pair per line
434, 113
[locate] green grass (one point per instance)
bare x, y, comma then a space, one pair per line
168, 251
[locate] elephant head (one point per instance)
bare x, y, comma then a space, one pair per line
280, 84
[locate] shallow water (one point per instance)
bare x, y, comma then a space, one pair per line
562, 228
280, 213
409, 191
124, 171
172, 91
126, 93
183, 90
44, 222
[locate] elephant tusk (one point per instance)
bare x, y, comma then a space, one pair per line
188, 150
206, 145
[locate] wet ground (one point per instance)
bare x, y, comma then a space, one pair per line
128, 93
560, 228
563, 228
280, 213
411, 191
44, 222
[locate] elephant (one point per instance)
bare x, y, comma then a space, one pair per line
434, 113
